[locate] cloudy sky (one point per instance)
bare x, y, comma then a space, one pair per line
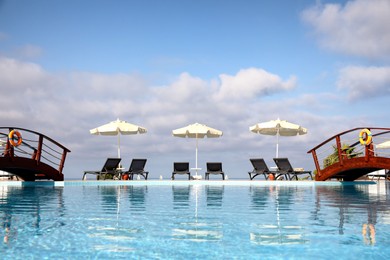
69, 66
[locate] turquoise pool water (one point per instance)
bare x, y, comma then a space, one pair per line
181, 221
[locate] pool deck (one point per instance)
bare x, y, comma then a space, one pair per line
179, 182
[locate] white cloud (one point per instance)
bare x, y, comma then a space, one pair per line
64, 106
184, 89
15, 74
250, 83
365, 82
119, 85
359, 28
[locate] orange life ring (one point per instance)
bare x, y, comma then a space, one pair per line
15, 134
365, 137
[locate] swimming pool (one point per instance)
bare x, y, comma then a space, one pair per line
175, 220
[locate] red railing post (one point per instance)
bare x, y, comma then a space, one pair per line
60, 168
369, 152
39, 149
9, 150
315, 158
339, 152
9, 147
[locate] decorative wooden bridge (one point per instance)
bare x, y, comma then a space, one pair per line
352, 154
30, 155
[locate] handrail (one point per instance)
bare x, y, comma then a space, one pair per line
342, 153
348, 131
37, 133
37, 148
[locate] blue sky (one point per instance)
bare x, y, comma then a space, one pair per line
69, 66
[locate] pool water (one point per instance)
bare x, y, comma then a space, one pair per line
182, 221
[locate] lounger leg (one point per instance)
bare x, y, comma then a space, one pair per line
189, 176
173, 176
223, 176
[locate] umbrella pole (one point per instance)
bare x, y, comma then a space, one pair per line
196, 156
119, 145
277, 144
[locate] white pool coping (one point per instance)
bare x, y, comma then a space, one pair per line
180, 182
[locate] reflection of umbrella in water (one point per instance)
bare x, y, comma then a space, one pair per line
118, 128
197, 231
279, 234
197, 131
279, 128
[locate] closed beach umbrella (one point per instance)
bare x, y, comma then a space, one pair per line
384, 145
118, 127
197, 131
279, 128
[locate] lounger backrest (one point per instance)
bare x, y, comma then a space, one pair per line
283, 164
259, 165
111, 164
181, 166
214, 166
137, 165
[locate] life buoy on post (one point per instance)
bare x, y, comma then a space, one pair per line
365, 137
15, 135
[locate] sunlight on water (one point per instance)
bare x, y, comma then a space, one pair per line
195, 221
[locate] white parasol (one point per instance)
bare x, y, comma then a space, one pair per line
197, 131
118, 128
279, 128
384, 145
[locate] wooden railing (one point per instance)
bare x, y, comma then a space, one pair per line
35, 146
346, 145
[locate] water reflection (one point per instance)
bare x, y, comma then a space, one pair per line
181, 196
137, 196
259, 197
192, 226
35, 202
110, 198
359, 199
214, 195
113, 197
277, 235
277, 200
113, 233
198, 231
132, 218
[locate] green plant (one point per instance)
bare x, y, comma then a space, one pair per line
346, 150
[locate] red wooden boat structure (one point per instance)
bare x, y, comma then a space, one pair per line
351, 154
31, 155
